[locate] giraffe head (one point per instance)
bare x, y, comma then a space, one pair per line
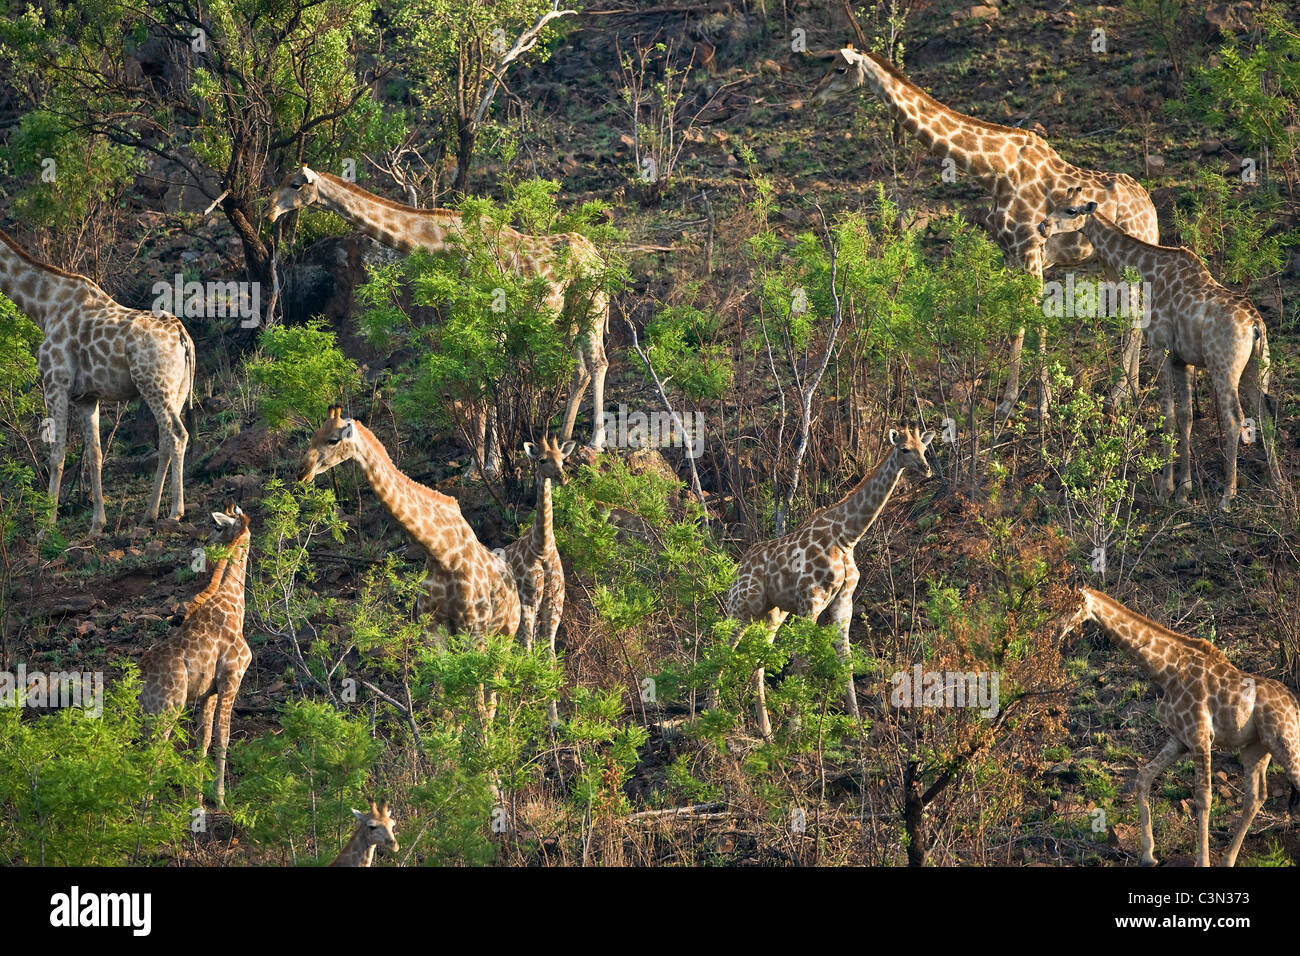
377, 827
1078, 610
550, 457
847, 73
1068, 216
299, 189
911, 445
231, 523
333, 443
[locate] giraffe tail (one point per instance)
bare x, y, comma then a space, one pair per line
190, 363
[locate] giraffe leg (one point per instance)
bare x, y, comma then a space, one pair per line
160, 472
599, 367
1255, 761
841, 609
775, 617
581, 377
56, 401
1204, 799
229, 688
549, 625
1146, 776
1180, 377
180, 441
206, 715
1165, 376
89, 414
1231, 420
1008, 403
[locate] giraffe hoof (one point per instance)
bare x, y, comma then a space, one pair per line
1148, 861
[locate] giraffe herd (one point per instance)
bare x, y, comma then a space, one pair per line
1046, 212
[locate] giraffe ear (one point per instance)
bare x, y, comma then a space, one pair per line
530, 450
1090, 208
308, 175
223, 519
360, 817
567, 448
926, 438
893, 436
345, 433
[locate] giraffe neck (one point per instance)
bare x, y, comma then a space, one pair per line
357, 851
431, 518
857, 511
1114, 246
232, 583
541, 537
34, 287
1154, 646
976, 147
218, 574
404, 228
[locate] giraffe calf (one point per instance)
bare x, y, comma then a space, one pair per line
813, 569
205, 661
374, 829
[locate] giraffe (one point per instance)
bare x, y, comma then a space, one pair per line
406, 229
1206, 703
534, 560
374, 829
205, 661
1024, 176
467, 589
813, 569
1198, 323
96, 350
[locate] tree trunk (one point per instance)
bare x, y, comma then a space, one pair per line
466, 136
914, 815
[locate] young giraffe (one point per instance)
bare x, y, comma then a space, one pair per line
204, 662
813, 569
1024, 176
374, 829
1207, 703
534, 560
96, 350
406, 229
1199, 323
467, 589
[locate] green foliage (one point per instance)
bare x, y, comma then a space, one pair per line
1254, 94
1100, 461
686, 345
282, 593
1237, 237
72, 173
294, 788
80, 790
299, 372
497, 338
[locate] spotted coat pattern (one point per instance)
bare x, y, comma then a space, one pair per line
535, 561
96, 350
554, 257
1191, 321
813, 569
203, 664
1025, 177
374, 829
1208, 703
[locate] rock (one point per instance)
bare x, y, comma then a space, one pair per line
769, 66
983, 12
251, 449
1230, 17
1155, 163
1211, 146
